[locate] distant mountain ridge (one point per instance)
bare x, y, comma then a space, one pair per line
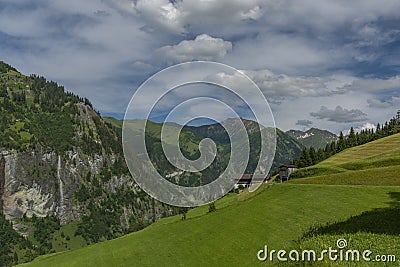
287, 148
313, 137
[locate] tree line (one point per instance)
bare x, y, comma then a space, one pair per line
311, 156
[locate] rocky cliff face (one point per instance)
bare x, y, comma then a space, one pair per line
42, 183
23, 195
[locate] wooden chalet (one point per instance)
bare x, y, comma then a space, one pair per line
285, 171
247, 180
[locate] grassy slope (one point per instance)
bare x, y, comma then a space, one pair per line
375, 163
61, 241
231, 235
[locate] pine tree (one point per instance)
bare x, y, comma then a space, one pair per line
341, 144
351, 139
320, 155
313, 156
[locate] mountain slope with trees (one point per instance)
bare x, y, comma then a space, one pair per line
287, 148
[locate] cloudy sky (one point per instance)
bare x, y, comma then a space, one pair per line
326, 64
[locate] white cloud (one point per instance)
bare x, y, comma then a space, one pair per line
157, 15
374, 84
376, 103
141, 66
395, 100
160, 14
281, 86
288, 112
180, 17
340, 115
281, 52
365, 126
220, 11
306, 123
203, 47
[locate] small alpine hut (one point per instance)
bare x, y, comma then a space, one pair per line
285, 171
247, 180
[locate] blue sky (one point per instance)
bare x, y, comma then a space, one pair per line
335, 64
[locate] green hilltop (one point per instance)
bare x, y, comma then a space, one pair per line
374, 163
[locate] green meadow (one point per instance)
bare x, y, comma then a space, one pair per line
375, 163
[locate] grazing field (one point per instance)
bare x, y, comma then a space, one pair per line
384, 148
376, 176
233, 234
375, 163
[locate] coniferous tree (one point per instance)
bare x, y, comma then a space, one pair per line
312, 156
341, 144
351, 138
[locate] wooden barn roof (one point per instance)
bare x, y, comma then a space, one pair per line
247, 178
